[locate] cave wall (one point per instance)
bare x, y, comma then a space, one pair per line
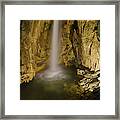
90, 55
34, 47
81, 45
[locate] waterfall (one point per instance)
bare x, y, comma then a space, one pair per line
54, 72
54, 46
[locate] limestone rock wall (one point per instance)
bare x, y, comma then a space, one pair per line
34, 47
80, 43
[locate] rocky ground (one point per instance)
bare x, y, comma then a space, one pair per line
86, 86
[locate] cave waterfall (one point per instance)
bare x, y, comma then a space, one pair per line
55, 71
54, 47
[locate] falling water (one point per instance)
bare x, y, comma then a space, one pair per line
54, 47
54, 72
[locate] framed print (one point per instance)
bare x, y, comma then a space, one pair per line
60, 59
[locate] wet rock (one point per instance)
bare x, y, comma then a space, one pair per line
92, 76
80, 72
85, 89
89, 84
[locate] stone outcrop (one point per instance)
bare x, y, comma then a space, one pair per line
86, 86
